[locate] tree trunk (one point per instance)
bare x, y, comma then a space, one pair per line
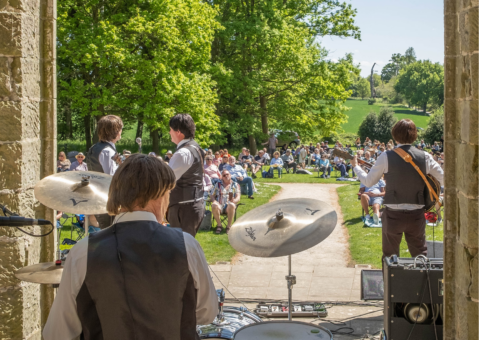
68, 121
371, 80
252, 144
95, 133
425, 108
139, 128
87, 123
264, 114
155, 145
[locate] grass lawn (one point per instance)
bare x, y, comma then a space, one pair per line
297, 178
360, 109
217, 247
365, 243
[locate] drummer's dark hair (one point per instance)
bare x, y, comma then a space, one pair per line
404, 131
184, 123
137, 181
108, 127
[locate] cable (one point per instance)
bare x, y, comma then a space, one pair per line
6, 211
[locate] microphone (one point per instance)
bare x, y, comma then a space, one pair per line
17, 221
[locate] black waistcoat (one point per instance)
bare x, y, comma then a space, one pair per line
137, 285
94, 153
403, 183
190, 185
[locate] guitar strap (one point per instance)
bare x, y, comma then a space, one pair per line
407, 158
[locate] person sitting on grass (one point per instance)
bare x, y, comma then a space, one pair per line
288, 161
247, 160
225, 195
239, 175
373, 196
258, 163
324, 166
276, 163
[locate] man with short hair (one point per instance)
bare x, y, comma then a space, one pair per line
239, 175
224, 162
225, 195
118, 283
288, 162
404, 199
258, 163
100, 156
247, 160
272, 143
186, 209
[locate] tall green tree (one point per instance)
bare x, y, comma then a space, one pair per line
272, 73
422, 82
378, 126
143, 60
363, 88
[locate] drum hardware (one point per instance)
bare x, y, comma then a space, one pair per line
299, 310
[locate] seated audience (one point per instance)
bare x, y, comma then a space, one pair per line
276, 163
211, 170
223, 163
258, 163
242, 153
79, 164
373, 196
288, 162
315, 157
267, 156
239, 175
341, 166
217, 159
225, 195
324, 166
247, 160
63, 164
168, 156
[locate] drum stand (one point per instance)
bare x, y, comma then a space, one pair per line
291, 280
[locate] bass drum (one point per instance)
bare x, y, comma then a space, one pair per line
234, 319
285, 330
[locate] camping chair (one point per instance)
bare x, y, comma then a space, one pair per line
223, 217
279, 169
370, 208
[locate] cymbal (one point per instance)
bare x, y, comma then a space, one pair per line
44, 273
283, 227
75, 192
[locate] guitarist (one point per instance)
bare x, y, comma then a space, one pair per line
405, 191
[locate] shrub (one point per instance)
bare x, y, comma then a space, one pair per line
377, 126
371, 101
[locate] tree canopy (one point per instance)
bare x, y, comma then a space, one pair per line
363, 88
435, 127
397, 63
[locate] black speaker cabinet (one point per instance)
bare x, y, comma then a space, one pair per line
407, 303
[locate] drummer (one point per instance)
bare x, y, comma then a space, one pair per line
137, 279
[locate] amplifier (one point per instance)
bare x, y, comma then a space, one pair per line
409, 312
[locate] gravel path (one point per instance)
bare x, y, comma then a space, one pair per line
332, 252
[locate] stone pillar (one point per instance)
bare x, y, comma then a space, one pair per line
27, 153
461, 182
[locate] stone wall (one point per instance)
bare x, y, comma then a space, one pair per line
27, 153
461, 183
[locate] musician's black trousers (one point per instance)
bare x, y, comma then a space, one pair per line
410, 222
186, 216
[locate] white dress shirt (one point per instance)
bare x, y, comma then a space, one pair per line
181, 160
63, 322
381, 167
109, 165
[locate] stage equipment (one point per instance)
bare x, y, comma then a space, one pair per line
281, 228
312, 309
413, 298
43, 273
285, 330
12, 219
372, 284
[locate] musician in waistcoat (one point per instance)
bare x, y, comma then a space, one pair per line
137, 279
100, 156
405, 191
186, 209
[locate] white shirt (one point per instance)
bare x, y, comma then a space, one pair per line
63, 322
381, 167
109, 165
181, 160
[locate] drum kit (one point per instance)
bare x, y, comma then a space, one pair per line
278, 228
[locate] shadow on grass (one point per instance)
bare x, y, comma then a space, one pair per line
410, 112
353, 220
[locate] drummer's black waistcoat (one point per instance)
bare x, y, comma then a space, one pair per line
190, 185
137, 285
94, 154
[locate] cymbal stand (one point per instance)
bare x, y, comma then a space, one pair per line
86, 225
291, 280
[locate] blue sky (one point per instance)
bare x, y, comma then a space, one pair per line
389, 27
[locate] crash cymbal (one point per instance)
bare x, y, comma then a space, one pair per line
75, 192
44, 273
282, 227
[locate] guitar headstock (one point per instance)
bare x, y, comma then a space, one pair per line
342, 154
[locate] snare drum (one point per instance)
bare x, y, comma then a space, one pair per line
234, 319
285, 330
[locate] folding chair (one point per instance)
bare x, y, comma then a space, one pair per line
224, 217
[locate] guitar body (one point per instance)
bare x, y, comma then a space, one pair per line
436, 187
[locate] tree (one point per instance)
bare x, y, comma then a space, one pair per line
270, 71
397, 63
363, 88
422, 82
410, 56
435, 127
377, 126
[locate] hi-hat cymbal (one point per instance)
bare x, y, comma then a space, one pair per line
75, 192
262, 232
44, 273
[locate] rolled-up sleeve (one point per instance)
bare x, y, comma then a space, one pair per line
207, 300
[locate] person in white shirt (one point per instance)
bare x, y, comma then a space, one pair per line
137, 279
404, 199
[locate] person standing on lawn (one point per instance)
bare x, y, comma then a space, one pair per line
272, 143
186, 209
404, 199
